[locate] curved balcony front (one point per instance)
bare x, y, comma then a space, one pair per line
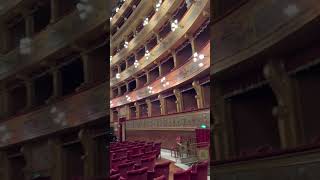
56, 37
191, 22
185, 73
120, 13
132, 22
256, 26
155, 23
70, 112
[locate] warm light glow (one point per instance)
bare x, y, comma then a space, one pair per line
174, 25
136, 64
158, 5
126, 44
118, 75
110, 58
200, 64
146, 21
147, 54
197, 57
117, 9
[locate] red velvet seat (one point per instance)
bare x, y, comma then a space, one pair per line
201, 171
123, 168
136, 158
148, 148
139, 174
162, 169
114, 171
120, 153
149, 162
115, 177
116, 162
183, 175
157, 148
161, 178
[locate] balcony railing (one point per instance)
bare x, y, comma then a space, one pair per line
176, 77
191, 23
75, 110
54, 38
158, 20
238, 37
132, 22
120, 13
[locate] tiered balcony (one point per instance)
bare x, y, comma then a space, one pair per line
237, 37
54, 38
191, 22
70, 112
183, 74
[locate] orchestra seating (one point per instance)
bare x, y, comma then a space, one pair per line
140, 163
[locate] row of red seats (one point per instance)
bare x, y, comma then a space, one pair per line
142, 172
198, 171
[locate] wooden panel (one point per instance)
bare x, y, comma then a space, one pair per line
179, 121
51, 40
70, 112
257, 26
180, 75
165, 129
294, 166
167, 138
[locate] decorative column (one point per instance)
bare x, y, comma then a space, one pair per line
87, 69
127, 87
57, 83
158, 37
54, 4
26, 151
119, 91
57, 166
4, 36
193, 44
137, 110
29, 23
200, 96
88, 157
179, 101
174, 56
127, 64
223, 140
4, 101
137, 83
119, 68
286, 111
30, 93
128, 112
163, 104
148, 76
160, 69
149, 105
